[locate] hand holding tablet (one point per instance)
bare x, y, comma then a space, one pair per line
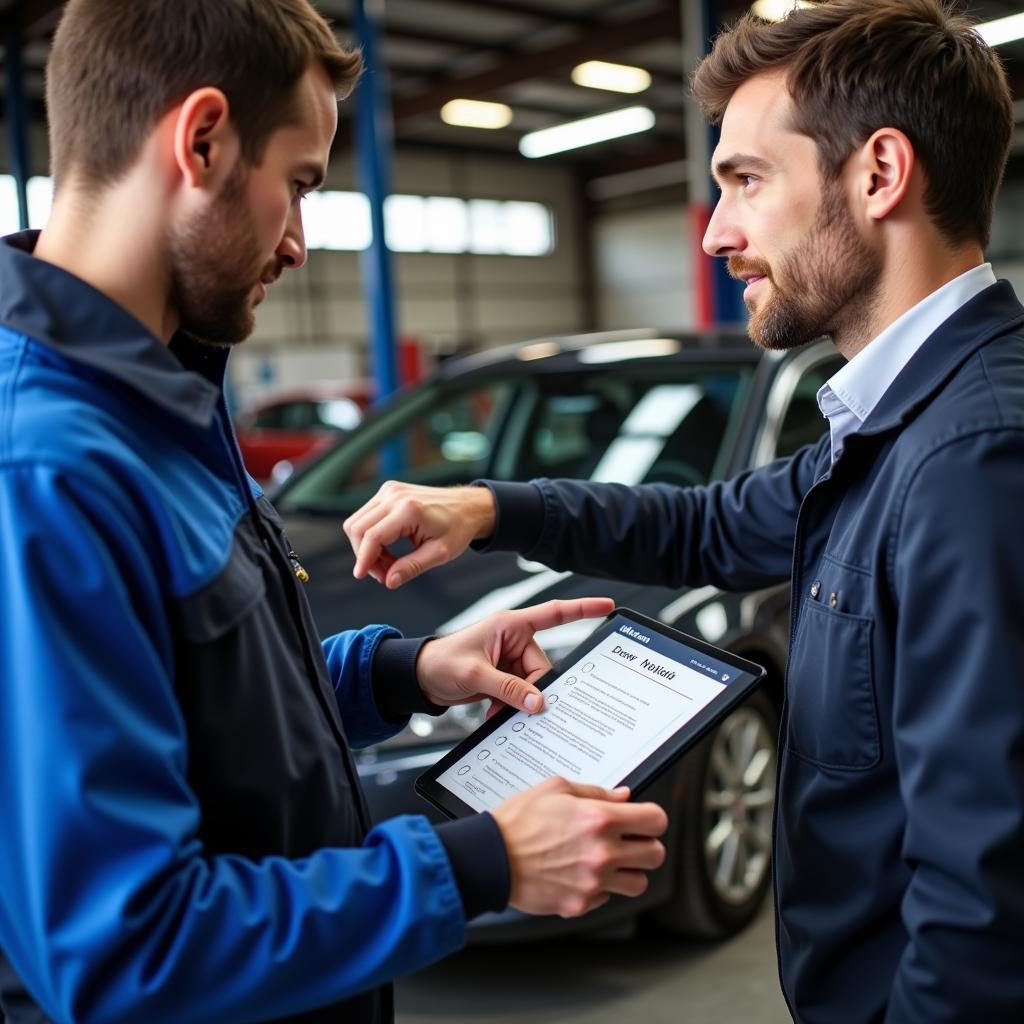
571, 847
619, 710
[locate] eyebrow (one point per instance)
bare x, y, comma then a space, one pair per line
723, 168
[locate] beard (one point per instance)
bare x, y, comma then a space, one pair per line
215, 264
827, 285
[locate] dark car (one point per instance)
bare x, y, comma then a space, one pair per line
631, 407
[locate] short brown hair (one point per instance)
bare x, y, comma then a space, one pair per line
117, 67
854, 66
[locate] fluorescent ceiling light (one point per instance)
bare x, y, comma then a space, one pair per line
1002, 30
777, 10
476, 114
586, 132
599, 74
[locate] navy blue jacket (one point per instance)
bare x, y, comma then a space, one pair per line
183, 833
899, 840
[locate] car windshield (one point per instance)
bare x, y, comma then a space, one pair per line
629, 423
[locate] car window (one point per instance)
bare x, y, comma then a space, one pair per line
803, 422
632, 429
669, 423
439, 437
269, 418
298, 415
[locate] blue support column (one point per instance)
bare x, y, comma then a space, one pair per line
374, 145
727, 294
17, 122
373, 151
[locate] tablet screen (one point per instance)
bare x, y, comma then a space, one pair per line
616, 702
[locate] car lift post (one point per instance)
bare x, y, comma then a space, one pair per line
375, 142
16, 122
719, 299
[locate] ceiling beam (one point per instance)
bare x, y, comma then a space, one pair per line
603, 39
34, 19
524, 9
417, 35
617, 162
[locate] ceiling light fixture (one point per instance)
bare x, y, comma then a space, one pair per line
777, 10
600, 74
586, 132
1002, 30
476, 114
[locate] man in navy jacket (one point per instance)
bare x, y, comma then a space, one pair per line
182, 833
862, 145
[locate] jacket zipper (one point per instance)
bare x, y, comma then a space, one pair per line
300, 573
297, 572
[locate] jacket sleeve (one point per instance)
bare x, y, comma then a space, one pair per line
109, 909
735, 534
958, 570
373, 671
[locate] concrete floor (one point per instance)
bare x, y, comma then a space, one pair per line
651, 978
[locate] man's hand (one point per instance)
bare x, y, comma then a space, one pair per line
498, 657
440, 521
570, 846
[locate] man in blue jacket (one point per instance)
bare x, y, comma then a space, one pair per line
861, 149
183, 834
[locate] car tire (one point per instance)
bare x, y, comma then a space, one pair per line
723, 798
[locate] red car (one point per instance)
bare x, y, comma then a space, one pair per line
289, 426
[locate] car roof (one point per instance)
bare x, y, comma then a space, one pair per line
564, 353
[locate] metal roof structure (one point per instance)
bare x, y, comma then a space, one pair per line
518, 52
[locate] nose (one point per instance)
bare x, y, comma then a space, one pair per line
723, 237
291, 251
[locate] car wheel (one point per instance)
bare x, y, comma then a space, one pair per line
724, 798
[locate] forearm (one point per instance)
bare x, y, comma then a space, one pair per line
736, 534
373, 672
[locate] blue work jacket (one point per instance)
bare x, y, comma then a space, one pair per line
899, 839
182, 832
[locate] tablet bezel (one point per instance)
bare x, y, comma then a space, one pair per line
687, 736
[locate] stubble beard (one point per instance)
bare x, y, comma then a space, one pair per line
827, 286
215, 264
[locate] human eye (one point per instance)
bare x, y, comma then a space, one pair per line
746, 182
303, 189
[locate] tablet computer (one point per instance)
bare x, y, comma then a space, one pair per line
620, 709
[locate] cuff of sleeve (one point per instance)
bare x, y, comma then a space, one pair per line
479, 860
519, 516
396, 690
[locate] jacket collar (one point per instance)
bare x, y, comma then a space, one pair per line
991, 313
60, 310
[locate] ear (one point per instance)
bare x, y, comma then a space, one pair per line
205, 142
884, 169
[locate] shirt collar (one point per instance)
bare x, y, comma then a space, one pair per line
58, 309
861, 383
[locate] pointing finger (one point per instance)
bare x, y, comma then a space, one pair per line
557, 613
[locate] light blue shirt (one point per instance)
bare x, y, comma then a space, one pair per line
850, 395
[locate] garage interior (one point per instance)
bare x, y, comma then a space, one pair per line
613, 242
487, 246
